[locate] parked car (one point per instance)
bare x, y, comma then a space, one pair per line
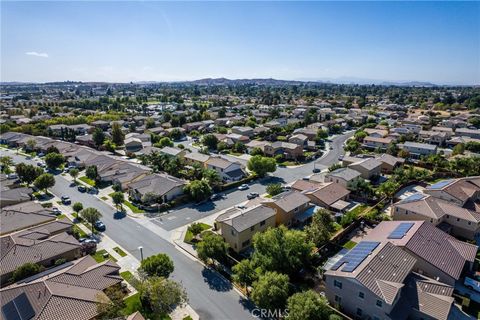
307, 178
473, 283
82, 188
243, 187
66, 200
41, 154
12, 176
287, 188
56, 211
93, 190
241, 206
316, 170
217, 196
99, 225
252, 195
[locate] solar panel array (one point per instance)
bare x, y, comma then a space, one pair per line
18, 309
401, 230
440, 184
356, 256
414, 197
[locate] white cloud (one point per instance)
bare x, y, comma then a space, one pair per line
37, 54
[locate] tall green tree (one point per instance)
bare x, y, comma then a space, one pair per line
54, 160
98, 137
117, 134
210, 141
74, 172
244, 273
91, 172
6, 162
270, 291
261, 165
118, 198
159, 265
307, 305
27, 173
198, 189
91, 215
321, 227
160, 296
44, 181
212, 247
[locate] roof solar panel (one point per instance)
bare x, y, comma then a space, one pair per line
355, 256
440, 184
24, 307
401, 230
10, 312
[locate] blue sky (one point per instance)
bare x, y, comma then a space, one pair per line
164, 41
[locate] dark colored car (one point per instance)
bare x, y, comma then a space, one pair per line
66, 200
99, 225
82, 189
316, 170
216, 196
252, 195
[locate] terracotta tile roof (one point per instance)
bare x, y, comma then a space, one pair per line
69, 292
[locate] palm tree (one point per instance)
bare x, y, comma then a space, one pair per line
91, 215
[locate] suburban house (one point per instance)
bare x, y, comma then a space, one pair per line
243, 131
331, 196
162, 185
438, 255
43, 245
70, 291
389, 163
173, 152
417, 149
375, 280
433, 137
376, 133
133, 144
289, 206
368, 168
13, 196
238, 226
299, 139
471, 133
376, 142
229, 171
256, 144
447, 215
285, 149
24, 215
342, 176
464, 192
447, 131
196, 157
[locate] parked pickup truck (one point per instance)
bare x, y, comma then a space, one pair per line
473, 283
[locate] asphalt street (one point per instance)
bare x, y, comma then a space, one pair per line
209, 294
188, 214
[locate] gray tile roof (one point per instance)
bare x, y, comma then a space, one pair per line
288, 201
242, 220
23, 215
346, 174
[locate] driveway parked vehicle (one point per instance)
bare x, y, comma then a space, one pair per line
243, 187
56, 211
99, 225
66, 200
252, 195
82, 188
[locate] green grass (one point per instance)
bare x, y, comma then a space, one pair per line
61, 216
358, 210
189, 235
133, 304
132, 207
79, 231
120, 252
104, 198
87, 181
187, 318
98, 256
58, 202
350, 244
129, 277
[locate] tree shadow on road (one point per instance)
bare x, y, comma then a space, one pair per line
247, 304
215, 281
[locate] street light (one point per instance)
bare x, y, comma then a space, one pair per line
141, 252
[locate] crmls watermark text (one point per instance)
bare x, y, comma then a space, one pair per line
268, 313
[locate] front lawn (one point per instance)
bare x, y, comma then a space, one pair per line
87, 180
132, 207
104, 198
133, 304
120, 252
189, 235
79, 232
129, 277
98, 256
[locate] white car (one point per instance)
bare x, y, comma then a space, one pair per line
243, 187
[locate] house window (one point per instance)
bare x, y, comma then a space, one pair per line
245, 243
359, 312
262, 223
458, 219
337, 284
252, 228
232, 232
469, 223
361, 295
379, 303
448, 216
338, 299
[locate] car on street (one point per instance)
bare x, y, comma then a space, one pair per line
41, 164
99, 225
252, 195
307, 178
287, 188
12, 176
240, 206
243, 187
217, 196
56, 211
88, 240
66, 200
316, 170
82, 188
93, 190
41, 154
